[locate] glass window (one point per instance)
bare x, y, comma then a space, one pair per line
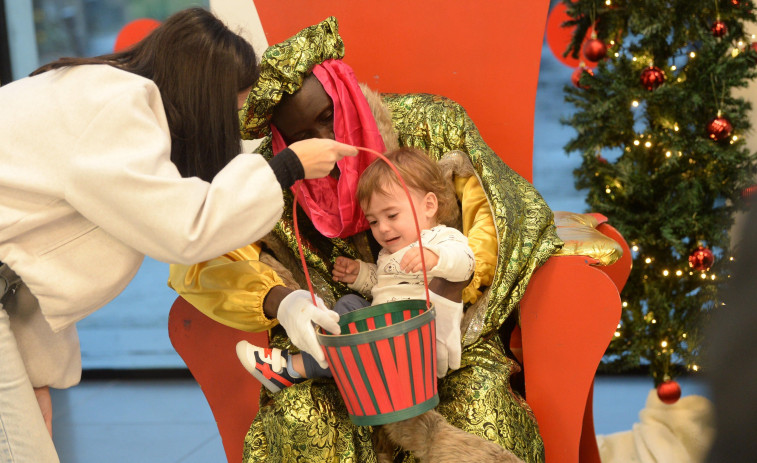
41, 31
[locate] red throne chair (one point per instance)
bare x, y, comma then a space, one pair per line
572, 305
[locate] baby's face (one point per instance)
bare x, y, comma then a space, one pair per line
391, 218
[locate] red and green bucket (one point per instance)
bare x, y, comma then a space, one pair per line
384, 359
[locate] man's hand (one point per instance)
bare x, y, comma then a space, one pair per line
297, 314
449, 314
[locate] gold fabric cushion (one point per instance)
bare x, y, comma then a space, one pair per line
581, 237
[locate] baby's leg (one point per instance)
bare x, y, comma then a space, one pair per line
271, 366
311, 368
350, 303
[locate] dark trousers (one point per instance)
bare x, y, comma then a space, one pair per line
345, 304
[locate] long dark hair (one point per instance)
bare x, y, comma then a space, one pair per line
200, 66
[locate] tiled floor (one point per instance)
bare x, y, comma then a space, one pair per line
135, 421
168, 420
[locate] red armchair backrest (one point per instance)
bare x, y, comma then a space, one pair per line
483, 54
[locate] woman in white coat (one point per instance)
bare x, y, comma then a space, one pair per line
105, 160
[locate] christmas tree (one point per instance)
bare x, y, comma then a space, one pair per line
663, 156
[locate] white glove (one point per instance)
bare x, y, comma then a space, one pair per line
449, 314
297, 315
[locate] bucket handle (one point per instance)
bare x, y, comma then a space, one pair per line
415, 219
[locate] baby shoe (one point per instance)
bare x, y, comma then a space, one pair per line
268, 365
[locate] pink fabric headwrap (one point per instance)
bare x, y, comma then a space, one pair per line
332, 204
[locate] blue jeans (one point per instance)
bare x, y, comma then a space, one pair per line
23, 434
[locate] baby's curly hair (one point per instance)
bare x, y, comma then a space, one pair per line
419, 172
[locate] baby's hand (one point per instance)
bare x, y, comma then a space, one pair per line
411, 261
345, 270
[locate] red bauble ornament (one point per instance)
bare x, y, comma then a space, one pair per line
576, 76
594, 49
719, 128
652, 77
748, 192
701, 259
669, 391
719, 28
559, 37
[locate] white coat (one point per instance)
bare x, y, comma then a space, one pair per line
87, 188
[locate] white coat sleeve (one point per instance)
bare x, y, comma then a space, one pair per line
120, 177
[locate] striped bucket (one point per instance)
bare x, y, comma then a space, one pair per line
384, 361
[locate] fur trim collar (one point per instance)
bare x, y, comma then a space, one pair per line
383, 117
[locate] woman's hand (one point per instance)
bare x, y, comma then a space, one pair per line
345, 270
45, 406
319, 155
411, 261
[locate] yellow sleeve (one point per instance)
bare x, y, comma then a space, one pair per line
229, 289
478, 226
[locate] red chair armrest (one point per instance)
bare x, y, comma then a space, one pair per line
621, 269
209, 350
568, 316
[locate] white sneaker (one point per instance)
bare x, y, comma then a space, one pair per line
268, 365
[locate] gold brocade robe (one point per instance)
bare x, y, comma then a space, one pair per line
308, 422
